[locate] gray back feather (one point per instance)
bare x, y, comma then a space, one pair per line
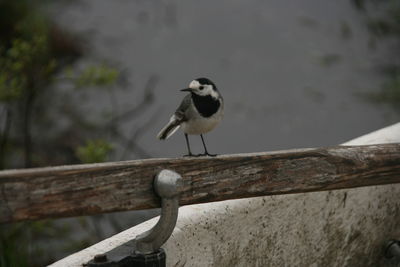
183, 107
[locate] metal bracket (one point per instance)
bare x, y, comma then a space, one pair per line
145, 249
392, 250
166, 185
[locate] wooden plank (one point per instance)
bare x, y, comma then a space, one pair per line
119, 186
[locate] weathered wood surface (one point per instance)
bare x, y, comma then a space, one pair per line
119, 186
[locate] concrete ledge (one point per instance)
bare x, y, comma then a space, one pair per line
334, 228
387, 135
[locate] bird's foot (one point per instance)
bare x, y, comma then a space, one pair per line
200, 155
189, 155
207, 154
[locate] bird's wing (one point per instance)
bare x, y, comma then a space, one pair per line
180, 113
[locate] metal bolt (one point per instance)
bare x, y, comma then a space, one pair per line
392, 249
100, 258
166, 184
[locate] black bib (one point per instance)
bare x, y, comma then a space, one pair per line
205, 105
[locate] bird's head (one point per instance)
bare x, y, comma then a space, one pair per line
202, 87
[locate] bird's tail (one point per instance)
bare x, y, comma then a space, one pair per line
169, 129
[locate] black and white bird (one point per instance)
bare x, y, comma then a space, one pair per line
199, 112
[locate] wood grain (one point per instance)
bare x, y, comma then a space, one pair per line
120, 186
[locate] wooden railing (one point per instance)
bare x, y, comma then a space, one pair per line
120, 186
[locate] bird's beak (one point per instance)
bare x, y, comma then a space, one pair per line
187, 90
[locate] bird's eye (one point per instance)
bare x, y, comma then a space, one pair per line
201, 87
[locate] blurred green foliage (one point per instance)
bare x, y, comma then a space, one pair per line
389, 93
18, 242
388, 23
25, 49
34, 53
13, 252
384, 22
94, 151
101, 75
22, 62
329, 60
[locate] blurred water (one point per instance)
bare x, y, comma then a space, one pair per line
289, 71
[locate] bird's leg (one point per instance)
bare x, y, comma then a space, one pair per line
205, 148
188, 146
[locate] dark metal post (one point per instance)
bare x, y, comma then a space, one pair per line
118, 258
155, 259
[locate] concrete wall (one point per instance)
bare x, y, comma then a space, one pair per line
333, 228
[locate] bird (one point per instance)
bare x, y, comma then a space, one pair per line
199, 112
